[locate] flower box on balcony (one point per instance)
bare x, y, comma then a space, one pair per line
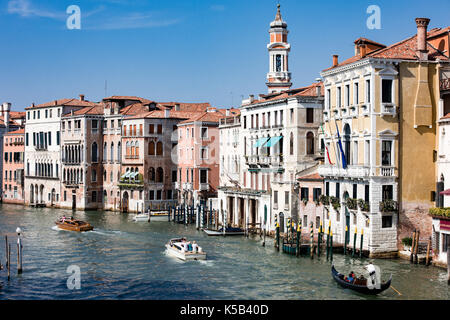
440, 212
336, 203
352, 204
388, 206
364, 205
325, 200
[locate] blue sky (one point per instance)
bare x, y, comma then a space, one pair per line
191, 51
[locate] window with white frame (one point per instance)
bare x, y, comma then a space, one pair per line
386, 90
204, 153
356, 93
367, 91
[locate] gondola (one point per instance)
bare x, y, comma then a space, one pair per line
360, 287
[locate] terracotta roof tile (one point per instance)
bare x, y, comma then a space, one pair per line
94, 110
64, 102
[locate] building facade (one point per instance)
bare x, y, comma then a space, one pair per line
378, 125
13, 166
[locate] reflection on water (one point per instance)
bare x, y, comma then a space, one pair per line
122, 259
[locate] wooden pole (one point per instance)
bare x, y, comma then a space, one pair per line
9, 261
427, 261
328, 239
19, 255
311, 250
277, 229
319, 235
331, 246
448, 259
6, 244
345, 240
361, 244
411, 257
354, 241
416, 249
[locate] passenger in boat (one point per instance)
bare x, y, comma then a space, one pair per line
63, 219
194, 246
189, 246
351, 277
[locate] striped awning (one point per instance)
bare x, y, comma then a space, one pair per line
134, 174
126, 175
260, 142
273, 141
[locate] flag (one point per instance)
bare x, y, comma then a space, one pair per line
326, 148
344, 162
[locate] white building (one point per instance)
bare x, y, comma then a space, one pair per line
43, 150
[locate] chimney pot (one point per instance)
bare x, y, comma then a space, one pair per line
335, 60
56, 102
177, 107
166, 113
422, 25
81, 97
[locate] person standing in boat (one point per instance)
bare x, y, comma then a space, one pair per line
194, 246
374, 280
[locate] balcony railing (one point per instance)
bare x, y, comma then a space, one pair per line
388, 109
444, 84
187, 186
387, 171
354, 111
365, 109
352, 171
204, 186
40, 148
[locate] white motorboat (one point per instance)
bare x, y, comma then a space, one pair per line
180, 248
142, 217
159, 216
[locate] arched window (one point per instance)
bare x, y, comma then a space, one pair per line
105, 152
291, 144
347, 134
151, 175
159, 175
136, 151
133, 151
159, 149
128, 149
94, 152
309, 143
151, 148
119, 152
112, 152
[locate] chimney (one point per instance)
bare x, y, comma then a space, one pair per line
422, 25
318, 87
362, 50
227, 112
166, 113
177, 107
335, 60
55, 102
81, 97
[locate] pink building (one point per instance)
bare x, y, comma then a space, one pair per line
13, 167
198, 157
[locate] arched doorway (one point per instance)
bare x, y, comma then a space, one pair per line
125, 200
31, 194
41, 193
53, 196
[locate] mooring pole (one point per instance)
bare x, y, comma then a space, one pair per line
361, 244
416, 250
427, 261
448, 260
319, 235
411, 257
354, 242
311, 249
299, 235
19, 255
277, 230
328, 239
9, 261
331, 246
345, 240
6, 244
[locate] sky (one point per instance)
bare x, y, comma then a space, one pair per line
186, 51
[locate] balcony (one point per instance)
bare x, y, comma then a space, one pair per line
187, 186
388, 109
365, 109
352, 171
40, 148
444, 84
337, 114
177, 185
345, 111
386, 171
326, 117
204, 186
354, 111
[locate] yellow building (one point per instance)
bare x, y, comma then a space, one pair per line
382, 105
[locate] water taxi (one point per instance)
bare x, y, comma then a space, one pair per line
73, 225
185, 251
142, 217
228, 232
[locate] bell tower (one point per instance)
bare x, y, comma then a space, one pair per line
279, 77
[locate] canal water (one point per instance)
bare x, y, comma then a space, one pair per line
122, 259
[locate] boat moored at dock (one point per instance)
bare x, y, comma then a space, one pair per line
228, 232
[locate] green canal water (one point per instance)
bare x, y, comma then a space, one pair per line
122, 259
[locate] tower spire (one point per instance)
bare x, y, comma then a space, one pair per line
279, 77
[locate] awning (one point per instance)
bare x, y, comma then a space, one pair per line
260, 142
126, 175
134, 174
445, 192
273, 141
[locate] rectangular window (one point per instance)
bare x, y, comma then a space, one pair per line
387, 192
94, 196
245, 122
367, 153
57, 138
386, 94
203, 176
158, 195
159, 128
355, 191
286, 198
49, 138
338, 97
338, 190
304, 194
328, 106
309, 115
26, 139
347, 95
204, 133
356, 93
204, 153
327, 189
275, 197
386, 221
317, 222
94, 124
151, 195
386, 155
366, 193
368, 91
174, 175
169, 195
305, 220
317, 192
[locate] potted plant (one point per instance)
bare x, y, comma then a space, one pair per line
336, 203
407, 243
325, 200
364, 205
352, 204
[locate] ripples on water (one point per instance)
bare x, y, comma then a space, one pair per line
122, 259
